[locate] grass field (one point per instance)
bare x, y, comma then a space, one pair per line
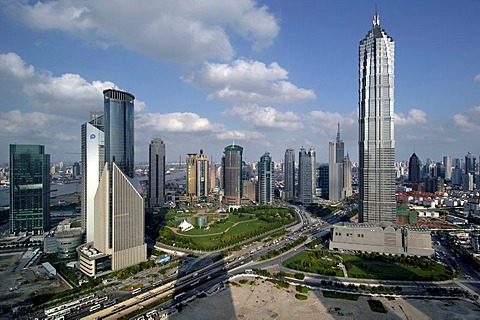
309, 261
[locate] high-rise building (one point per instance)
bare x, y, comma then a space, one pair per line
289, 175
313, 168
376, 128
470, 163
323, 180
335, 163
347, 177
414, 170
29, 189
265, 179
448, 164
232, 174
198, 176
119, 219
305, 175
191, 184
156, 173
93, 160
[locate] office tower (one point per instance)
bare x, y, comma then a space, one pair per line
265, 179
203, 176
156, 173
470, 163
191, 175
448, 164
335, 163
457, 176
376, 129
313, 168
305, 176
232, 165
119, 206
467, 181
323, 180
347, 177
289, 175
93, 160
29, 189
414, 169
76, 170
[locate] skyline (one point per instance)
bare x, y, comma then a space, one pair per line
268, 75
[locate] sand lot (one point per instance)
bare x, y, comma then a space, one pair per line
264, 300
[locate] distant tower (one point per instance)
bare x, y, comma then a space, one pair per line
448, 164
323, 180
265, 179
347, 177
191, 175
156, 173
335, 163
232, 174
203, 176
29, 189
470, 163
289, 175
313, 168
376, 126
305, 176
414, 170
93, 160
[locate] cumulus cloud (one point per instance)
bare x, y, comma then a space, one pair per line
267, 117
326, 123
32, 125
465, 123
171, 30
251, 136
415, 116
68, 94
175, 122
249, 81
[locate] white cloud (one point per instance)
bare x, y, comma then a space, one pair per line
175, 122
268, 117
249, 81
31, 125
465, 123
12, 68
326, 123
477, 78
415, 116
171, 30
234, 135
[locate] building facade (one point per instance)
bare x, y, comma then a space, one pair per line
305, 176
29, 189
198, 176
232, 165
289, 175
265, 180
335, 164
156, 173
93, 157
414, 170
376, 126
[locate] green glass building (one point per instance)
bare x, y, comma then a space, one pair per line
29, 189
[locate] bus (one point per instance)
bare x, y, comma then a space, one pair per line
179, 296
138, 290
95, 307
109, 303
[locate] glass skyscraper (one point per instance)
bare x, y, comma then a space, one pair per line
376, 126
289, 174
156, 173
265, 179
232, 174
29, 189
306, 175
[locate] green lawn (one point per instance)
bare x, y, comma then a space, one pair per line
314, 262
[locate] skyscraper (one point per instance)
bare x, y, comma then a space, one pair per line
305, 175
289, 175
119, 219
470, 163
448, 164
156, 173
323, 180
347, 177
29, 189
376, 128
414, 170
232, 174
265, 179
198, 176
93, 160
335, 164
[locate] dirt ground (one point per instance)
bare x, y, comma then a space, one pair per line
264, 300
17, 285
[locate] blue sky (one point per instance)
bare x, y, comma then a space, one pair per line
268, 75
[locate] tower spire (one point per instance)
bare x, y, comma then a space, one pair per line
376, 18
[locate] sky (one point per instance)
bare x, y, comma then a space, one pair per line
265, 75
